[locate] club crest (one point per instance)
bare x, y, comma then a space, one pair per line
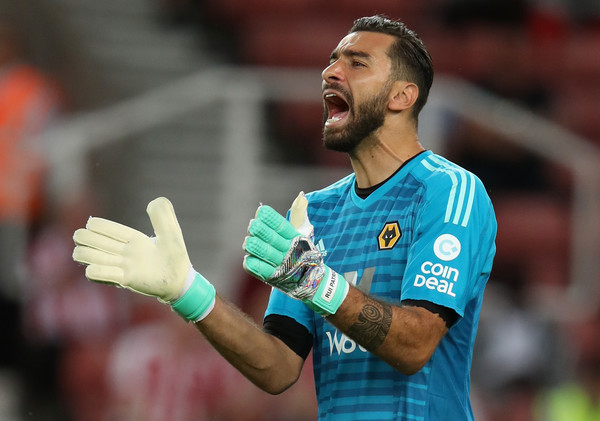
389, 236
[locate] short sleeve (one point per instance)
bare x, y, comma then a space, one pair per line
282, 305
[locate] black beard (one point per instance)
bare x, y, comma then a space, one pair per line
366, 119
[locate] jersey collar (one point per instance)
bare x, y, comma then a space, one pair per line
364, 197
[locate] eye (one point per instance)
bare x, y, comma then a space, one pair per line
356, 63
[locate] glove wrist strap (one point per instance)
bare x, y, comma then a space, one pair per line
330, 293
198, 301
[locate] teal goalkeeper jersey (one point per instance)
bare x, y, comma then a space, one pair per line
428, 234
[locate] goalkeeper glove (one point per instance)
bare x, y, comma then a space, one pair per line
155, 266
283, 255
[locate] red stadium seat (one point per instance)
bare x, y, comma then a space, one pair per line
302, 42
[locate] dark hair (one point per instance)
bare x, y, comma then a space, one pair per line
410, 59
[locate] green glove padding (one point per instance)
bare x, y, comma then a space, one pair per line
281, 256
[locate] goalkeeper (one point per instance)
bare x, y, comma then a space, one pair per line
381, 274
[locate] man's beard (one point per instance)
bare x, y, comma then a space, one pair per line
366, 119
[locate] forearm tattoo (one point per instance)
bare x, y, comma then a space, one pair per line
373, 324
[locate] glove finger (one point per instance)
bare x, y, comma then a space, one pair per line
258, 268
262, 231
163, 219
90, 256
85, 237
276, 222
112, 229
263, 251
105, 274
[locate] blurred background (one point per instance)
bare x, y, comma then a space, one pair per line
105, 105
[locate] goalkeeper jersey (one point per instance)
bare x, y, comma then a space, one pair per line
427, 233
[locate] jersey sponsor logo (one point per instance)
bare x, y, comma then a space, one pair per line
437, 277
389, 235
342, 344
446, 247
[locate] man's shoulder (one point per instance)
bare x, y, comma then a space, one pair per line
440, 174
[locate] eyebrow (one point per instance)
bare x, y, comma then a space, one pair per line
349, 53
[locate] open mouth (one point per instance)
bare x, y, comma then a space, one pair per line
337, 108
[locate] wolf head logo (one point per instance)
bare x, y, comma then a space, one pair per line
389, 235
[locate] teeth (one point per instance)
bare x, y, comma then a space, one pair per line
333, 119
330, 95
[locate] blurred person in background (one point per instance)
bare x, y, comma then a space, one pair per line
30, 102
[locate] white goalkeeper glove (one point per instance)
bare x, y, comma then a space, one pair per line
283, 255
156, 266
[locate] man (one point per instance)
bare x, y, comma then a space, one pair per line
381, 274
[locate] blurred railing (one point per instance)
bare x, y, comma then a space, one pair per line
244, 91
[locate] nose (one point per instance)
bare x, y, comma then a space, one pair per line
333, 72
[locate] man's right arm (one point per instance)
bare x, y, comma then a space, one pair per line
263, 358
159, 266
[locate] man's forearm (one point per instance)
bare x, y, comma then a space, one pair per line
404, 337
264, 359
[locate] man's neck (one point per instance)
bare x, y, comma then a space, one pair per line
378, 159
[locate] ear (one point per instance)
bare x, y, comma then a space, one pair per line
403, 96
